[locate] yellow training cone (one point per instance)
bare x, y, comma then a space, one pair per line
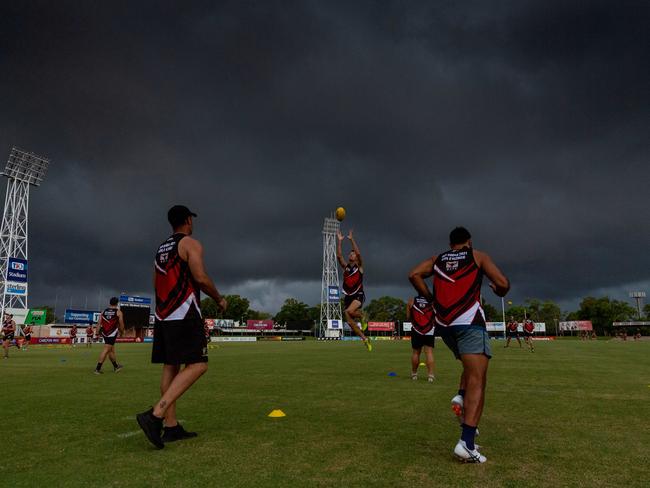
422, 364
277, 414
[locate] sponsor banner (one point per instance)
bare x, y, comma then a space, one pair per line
350, 338
16, 288
407, 326
259, 324
495, 327
576, 325
17, 270
383, 338
636, 323
50, 340
134, 301
148, 339
224, 323
232, 339
128, 339
290, 338
550, 338
381, 326
334, 324
36, 317
333, 294
270, 338
80, 316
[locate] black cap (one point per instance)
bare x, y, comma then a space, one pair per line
177, 215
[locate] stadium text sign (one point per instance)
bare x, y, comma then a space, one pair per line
407, 326
576, 325
381, 326
134, 301
80, 316
333, 294
16, 279
259, 324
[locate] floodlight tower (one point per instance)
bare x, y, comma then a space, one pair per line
23, 170
330, 301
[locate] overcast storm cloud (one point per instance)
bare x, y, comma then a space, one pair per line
526, 122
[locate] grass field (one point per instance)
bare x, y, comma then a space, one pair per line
571, 414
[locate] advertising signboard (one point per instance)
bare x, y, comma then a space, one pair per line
36, 317
259, 324
333, 294
80, 316
134, 301
576, 325
381, 326
334, 324
16, 279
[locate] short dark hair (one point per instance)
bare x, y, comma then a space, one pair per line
178, 214
459, 235
114, 301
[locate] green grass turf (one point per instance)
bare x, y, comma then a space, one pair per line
571, 414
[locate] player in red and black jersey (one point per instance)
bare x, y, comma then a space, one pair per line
73, 335
27, 331
179, 335
110, 325
8, 333
460, 321
511, 331
352, 286
90, 332
529, 332
419, 312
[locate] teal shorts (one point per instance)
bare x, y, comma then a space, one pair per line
466, 339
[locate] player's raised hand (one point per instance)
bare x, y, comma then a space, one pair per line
339, 236
350, 234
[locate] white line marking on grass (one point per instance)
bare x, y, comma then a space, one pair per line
128, 434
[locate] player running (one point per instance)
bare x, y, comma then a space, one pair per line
529, 332
460, 321
179, 336
8, 333
511, 331
27, 331
111, 323
420, 313
352, 286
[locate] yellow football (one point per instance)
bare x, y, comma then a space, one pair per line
340, 214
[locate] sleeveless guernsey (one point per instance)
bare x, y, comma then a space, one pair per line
352, 279
109, 322
177, 294
457, 289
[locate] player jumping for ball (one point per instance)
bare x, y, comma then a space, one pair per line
460, 320
352, 286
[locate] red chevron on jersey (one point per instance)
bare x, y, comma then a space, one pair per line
422, 315
457, 289
352, 279
108, 322
529, 326
177, 294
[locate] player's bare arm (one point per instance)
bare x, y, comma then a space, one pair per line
419, 274
120, 318
356, 250
498, 281
339, 249
191, 251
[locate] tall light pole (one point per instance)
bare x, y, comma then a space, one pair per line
638, 296
23, 170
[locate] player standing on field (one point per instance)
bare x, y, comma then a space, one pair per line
179, 336
73, 335
419, 312
8, 333
111, 322
90, 332
529, 332
460, 321
511, 331
352, 286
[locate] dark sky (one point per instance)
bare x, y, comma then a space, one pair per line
526, 122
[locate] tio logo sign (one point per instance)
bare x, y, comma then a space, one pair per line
18, 266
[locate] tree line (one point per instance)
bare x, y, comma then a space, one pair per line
295, 314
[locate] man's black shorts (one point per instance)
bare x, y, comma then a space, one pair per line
9, 337
419, 340
348, 299
512, 333
110, 341
179, 342
529, 334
